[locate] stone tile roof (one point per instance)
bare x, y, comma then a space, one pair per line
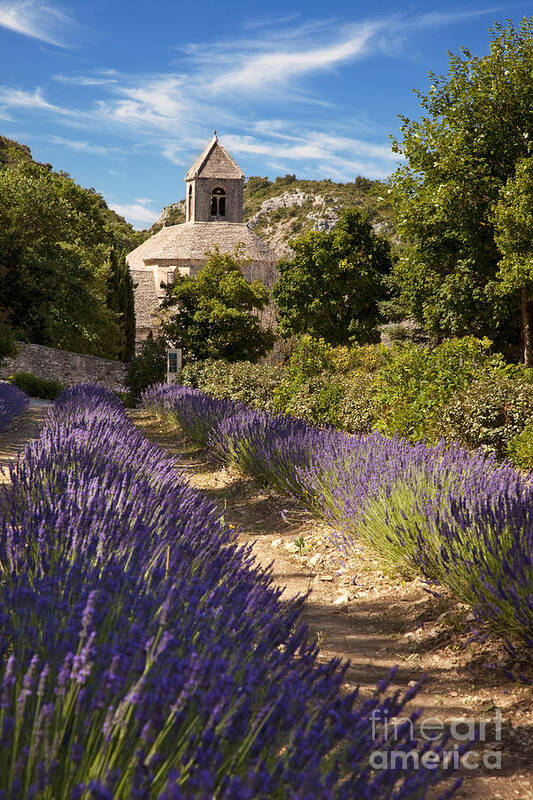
214, 162
146, 300
191, 240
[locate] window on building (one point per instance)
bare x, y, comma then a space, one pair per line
189, 213
218, 203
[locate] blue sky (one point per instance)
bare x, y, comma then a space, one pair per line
123, 95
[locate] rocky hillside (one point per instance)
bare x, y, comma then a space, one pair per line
170, 215
287, 207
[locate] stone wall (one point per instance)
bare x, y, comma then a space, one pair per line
203, 188
67, 368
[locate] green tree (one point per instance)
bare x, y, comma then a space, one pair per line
149, 366
513, 220
54, 237
7, 340
214, 315
129, 306
332, 286
478, 125
120, 300
52, 250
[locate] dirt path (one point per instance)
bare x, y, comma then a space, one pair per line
376, 620
21, 429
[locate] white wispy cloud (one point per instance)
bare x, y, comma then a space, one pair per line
158, 101
271, 67
36, 19
136, 213
314, 145
85, 80
277, 60
269, 22
35, 101
436, 19
268, 69
80, 146
175, 152
338, 157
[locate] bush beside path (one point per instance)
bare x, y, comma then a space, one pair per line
375, 619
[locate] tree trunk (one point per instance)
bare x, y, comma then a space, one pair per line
527, 327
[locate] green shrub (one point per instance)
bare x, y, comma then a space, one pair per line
490, 413
415, 383
357, 412
330, 385
316, 400
520, 448
241, 381
307, 389
149, 367
36, 387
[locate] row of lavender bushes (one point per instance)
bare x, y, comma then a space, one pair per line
12, 402
143, 652
459, 518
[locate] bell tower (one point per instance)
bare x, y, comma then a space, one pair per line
214, 187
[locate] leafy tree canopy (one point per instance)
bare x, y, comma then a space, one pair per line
55, 238
513, 220
214, 314
121, 301
7, 341
149, 366
478, 125
332, 286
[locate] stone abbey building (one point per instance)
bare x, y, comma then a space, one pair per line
214, 216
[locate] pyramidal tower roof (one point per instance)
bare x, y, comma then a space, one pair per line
214, 162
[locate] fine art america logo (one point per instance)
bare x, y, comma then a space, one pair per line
456, 735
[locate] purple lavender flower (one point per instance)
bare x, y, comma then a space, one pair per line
12, 402
173, 668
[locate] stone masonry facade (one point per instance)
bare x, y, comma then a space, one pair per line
67, 368
214, 213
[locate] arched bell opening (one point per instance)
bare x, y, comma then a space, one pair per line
218, 202
189, 205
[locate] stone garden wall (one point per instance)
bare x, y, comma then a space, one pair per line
67, 368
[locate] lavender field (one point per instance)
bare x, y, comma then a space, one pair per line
460, 519
145, 655
12, 402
